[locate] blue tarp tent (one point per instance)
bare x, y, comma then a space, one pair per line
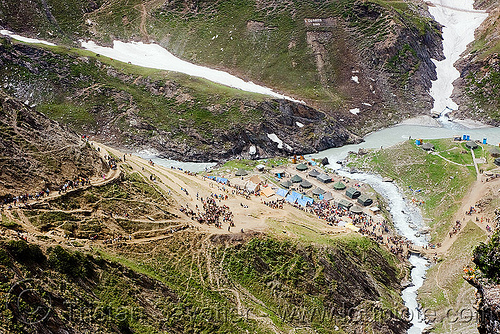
295, 195
281, 192
212, 177
221, 180
290, 199
308, 199
302, 202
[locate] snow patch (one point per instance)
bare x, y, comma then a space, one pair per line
154, 56
354, 111
25, 39
300, 125
460, 20
275, 139
367, 104
355, 79
252, 150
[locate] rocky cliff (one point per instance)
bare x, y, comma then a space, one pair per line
37, 153
477, 91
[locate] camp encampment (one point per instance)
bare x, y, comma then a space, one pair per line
241, 172
352, 193
325, 178
470, 144
339, 186
314, 173
302, 167
296, 179
345, 204
286, 184
305, 184
365, 200
318, 191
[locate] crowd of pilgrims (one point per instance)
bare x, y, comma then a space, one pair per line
25, 198
211, 212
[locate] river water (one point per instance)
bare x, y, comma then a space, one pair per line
459, 20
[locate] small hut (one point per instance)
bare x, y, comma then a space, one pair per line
302, 167
241, 172
345, 204
352, 193
339, 186
318, 191
286, 184
365, 200
327, 196
325, 178
428, 147
470, 144
495, 152
305, 184
314, 173
268, 192
356, 209
296, 179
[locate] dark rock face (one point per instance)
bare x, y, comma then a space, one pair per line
487, 306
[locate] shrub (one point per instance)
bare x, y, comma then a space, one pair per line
73, 264
487, 258
25, 252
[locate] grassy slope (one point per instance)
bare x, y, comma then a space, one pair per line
442, 184
444, 289
75, 101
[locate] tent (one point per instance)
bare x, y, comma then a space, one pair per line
280, 175
365, 200
344, 204
339, 186
495, 152
281, 192
302, 202
356, 209
260, 167
325, 178
221, 180
296, 179
290, 199
318, 191
305, 184
352, 227
295, 195
308, 199
256, 179
302, 167
428, 146
314, 173
470, 144
241, 172
352, 193
327, 196
374, 209
286, 184
497, 161
268, 192
252, 187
